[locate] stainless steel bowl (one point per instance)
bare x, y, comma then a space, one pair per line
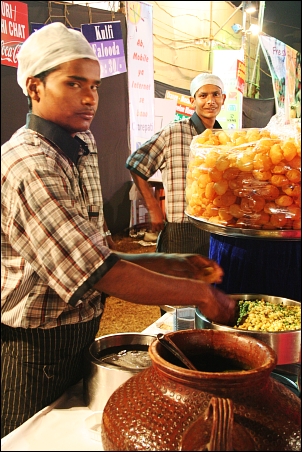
220, 229
287, 344
100, 380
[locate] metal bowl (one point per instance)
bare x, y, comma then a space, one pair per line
287, 344
100, 380
220, 229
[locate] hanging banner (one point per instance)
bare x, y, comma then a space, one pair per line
141, 90
183, 107
227, 64
240, 76
140, 72
14, 31
106, 39
285, 65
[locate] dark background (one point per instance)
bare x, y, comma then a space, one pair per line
282, 20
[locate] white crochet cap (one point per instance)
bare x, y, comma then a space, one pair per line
48, 47
205, 79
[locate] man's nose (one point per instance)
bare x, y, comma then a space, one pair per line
89, 97
210, 98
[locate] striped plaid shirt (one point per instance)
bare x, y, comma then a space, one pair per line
168, 151
53, 249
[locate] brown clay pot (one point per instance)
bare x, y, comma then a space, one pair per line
231, 403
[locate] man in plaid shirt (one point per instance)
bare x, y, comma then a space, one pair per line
56, 263
168, 151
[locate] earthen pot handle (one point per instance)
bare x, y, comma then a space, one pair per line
214, 430
222, 411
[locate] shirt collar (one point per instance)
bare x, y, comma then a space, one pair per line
69, 145
198, 124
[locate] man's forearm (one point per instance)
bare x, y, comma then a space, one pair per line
191, 266
146, 191
136, 284
153, 206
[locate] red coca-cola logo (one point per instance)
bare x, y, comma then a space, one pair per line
9, 51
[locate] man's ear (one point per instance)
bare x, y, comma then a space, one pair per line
192, 100
33, 85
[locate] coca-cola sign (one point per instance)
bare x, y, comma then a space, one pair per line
14, 31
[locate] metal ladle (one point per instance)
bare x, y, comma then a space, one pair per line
172, 347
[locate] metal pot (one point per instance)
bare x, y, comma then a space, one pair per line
287, 344
100, 379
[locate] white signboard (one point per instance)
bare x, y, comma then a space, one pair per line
225, 65
140, 72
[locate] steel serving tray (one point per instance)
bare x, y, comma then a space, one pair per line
275, 234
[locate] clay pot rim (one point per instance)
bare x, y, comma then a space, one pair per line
261, 371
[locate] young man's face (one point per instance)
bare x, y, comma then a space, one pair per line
69, 95
208, 101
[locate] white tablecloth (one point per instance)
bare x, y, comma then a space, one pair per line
63, 425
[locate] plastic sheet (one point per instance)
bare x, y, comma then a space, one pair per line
247, 178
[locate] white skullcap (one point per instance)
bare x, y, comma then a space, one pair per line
48, 47
205, 79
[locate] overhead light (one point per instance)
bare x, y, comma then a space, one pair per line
254, 29
249, 7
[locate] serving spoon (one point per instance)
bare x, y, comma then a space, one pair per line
172, 347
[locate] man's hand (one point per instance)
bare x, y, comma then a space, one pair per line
218, 307
157, 219
205, 269
191, 266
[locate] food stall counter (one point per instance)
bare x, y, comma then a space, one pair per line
65, 425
